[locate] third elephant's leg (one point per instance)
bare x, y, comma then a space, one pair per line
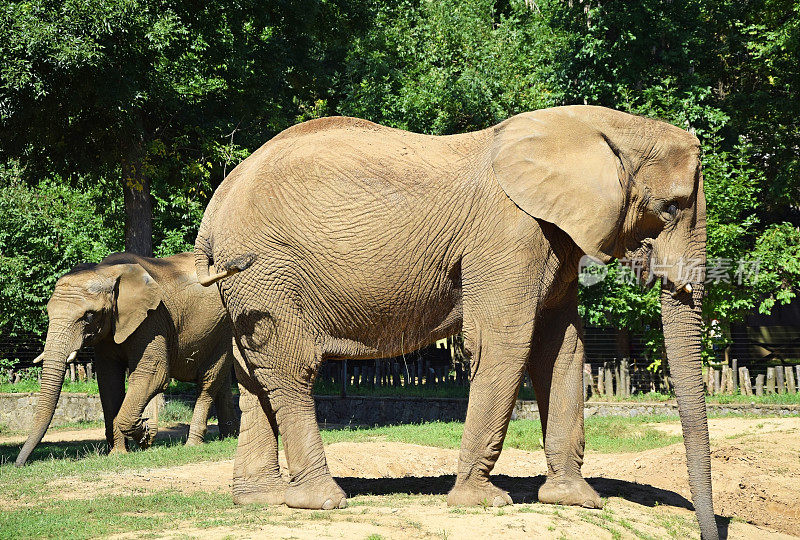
556, 369
256, 472
227, 420
202, 406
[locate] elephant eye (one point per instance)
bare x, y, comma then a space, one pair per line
672, 210
89, 316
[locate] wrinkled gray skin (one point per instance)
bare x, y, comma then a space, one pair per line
152, 317
370, 242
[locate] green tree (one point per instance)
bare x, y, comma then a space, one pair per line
45, 230
448, 66
165, 92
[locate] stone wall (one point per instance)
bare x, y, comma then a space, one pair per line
16, 410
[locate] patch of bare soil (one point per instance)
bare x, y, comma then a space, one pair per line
755, 467
397, 490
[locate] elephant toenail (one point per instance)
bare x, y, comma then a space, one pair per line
499, 501
327, 505
343, 503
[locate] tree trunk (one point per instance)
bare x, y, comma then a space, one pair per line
138, 205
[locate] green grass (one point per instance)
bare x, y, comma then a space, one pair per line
323, 388
72, 519
777, 399
603, 434
175, 411
32, 385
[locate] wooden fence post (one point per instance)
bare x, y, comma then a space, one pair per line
790, 386
744, 381
587, 381
609, 380
735, 372
625, 373
779, 380
770, 380
717, 381
726, 379
760, 385
797, 377
601, 386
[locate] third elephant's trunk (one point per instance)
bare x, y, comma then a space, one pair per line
60, 343
682, 336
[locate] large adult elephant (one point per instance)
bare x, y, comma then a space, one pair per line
151, 317
370, 242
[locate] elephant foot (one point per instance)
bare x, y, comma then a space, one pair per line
321, 493
118, 450
573, 491
140, 432
269, 492
479, 493
195, 440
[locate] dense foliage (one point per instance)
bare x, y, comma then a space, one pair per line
195, 87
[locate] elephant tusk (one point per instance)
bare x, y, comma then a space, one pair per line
38, 358
72, 356
688, 288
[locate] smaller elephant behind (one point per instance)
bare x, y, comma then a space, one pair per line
150, 317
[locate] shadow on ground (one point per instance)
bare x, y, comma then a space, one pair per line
91, 446
522, 490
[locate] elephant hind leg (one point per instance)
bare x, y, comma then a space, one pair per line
286, 369
256, 473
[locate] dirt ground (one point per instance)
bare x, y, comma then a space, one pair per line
397, 490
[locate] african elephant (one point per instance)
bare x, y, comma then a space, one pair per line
364, 241
149, 316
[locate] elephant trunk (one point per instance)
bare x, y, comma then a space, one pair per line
61, 342
682, 336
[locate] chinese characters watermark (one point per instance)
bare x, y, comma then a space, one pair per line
717, 270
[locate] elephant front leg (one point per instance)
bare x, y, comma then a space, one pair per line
111, 385
498, 359
149, 377
256, 473
556, 369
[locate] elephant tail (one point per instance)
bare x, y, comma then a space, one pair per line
204, 260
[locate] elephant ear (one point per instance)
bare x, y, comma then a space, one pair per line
559, 169
136, 293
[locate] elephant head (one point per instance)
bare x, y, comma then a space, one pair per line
627, 187
90, 304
